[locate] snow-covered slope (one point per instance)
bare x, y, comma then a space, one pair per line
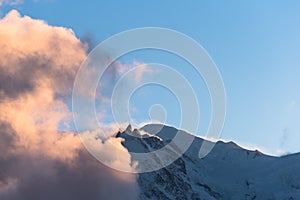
228, 172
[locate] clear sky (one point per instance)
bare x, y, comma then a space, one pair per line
256, 46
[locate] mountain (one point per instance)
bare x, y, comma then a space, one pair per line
227, 172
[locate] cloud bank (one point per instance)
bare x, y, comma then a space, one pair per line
38, 63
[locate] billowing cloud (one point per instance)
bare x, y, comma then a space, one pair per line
38, 64
34, 53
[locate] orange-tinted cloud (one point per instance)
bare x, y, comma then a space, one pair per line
38, 64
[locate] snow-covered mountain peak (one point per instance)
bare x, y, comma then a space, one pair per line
227, 172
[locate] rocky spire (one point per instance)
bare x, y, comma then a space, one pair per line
129, 128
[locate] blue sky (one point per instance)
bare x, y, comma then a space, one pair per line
255, 45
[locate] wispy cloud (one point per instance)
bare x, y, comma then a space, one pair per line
10, 2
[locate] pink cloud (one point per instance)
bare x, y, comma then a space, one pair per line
38, 64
